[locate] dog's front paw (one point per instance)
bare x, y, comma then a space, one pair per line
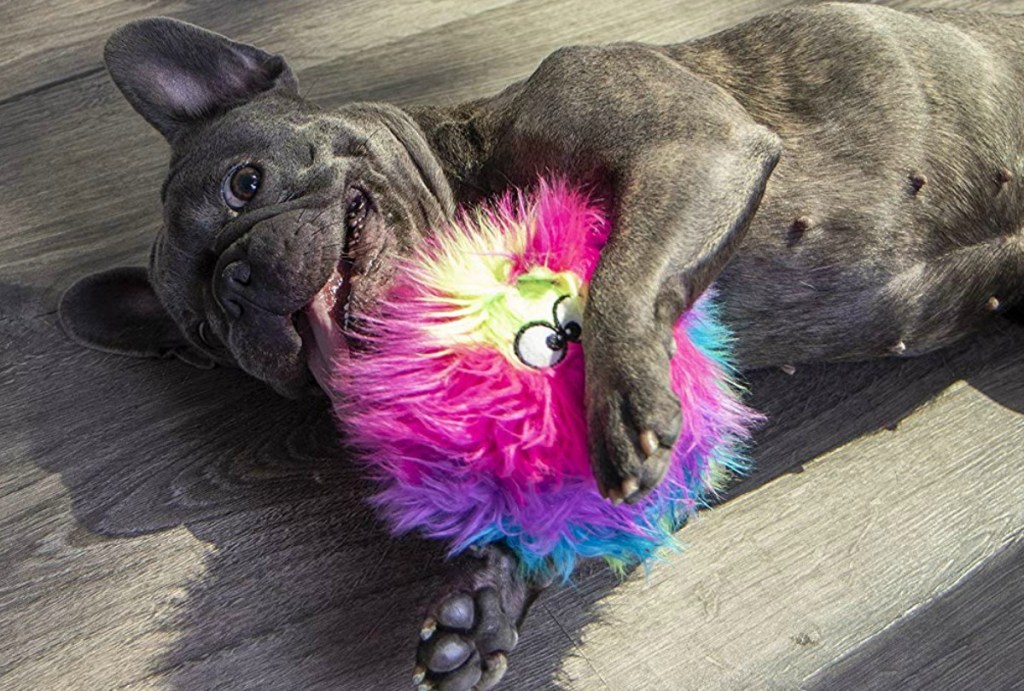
470, 630
633, 418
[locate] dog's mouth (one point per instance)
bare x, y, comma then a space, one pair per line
324, 323
321, 323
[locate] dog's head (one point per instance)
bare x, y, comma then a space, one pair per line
275, 211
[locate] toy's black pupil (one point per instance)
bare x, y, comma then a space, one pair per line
573, 331
555, 341
245, 183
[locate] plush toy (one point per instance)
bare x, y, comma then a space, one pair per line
466, 395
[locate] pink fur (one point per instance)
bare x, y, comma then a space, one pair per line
471, 448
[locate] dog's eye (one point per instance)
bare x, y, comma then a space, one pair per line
241, 185
357, 208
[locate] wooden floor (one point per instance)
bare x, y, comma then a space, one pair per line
165, 527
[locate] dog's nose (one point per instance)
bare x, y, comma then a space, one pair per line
233, 279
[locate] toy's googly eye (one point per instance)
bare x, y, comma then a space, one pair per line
569, 317
540, 345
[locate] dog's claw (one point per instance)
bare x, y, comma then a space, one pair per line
419, 673
495, 667
630, 486
428, 628
648, 444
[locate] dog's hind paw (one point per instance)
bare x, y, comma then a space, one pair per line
471, 629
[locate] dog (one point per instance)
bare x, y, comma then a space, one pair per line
848, 177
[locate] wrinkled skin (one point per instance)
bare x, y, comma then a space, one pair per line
847, 176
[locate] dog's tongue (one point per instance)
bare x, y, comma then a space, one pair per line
329, 340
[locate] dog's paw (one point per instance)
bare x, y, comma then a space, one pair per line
466, 644
470, 630
633, 417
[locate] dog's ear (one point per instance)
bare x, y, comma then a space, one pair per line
176, 74
116, 311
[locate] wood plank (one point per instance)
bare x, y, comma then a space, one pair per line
968, 638
53, 41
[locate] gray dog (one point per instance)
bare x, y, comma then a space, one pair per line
848, 176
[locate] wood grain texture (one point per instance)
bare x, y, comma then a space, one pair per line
961, 637
165, 527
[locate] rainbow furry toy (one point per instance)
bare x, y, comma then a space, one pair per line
467, 400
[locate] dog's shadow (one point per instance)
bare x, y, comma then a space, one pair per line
300, 587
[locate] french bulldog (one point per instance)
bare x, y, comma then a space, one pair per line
848, 176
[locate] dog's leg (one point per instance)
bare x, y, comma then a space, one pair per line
474, 624
687, 167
